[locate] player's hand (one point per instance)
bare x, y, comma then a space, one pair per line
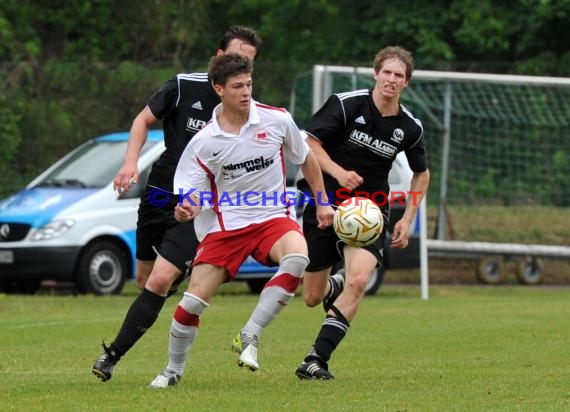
400, 234
127, 175
325, 215
349, 179
185, 212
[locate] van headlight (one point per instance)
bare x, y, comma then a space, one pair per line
53, 229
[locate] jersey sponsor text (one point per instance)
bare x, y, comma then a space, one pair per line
376, 145
195, 124
258, 163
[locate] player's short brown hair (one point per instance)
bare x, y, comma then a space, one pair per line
226, 65
243, 33
397, 52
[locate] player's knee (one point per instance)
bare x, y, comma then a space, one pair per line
312, 298
357, 283
160, 282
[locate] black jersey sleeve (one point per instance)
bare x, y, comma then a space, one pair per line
416, 155
328, 120
164, 100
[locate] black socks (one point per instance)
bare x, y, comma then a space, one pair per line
331, 334
140, 317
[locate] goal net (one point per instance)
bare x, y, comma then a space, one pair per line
492, 139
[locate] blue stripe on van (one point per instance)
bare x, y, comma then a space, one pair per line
129, 238
38, 205
153, 135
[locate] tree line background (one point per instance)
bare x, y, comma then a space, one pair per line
75, 69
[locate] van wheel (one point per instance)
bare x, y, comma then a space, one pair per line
374, 281
102, 269
257, 285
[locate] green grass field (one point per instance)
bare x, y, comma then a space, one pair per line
467, 348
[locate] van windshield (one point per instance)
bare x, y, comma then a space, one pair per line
93, 164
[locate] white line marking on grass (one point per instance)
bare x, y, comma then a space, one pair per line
62, 322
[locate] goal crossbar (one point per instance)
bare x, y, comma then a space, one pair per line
457, 76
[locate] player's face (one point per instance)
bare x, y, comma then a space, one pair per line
391, 78
240, 47
236, 94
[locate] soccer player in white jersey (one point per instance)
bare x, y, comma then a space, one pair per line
165, 246
234, 169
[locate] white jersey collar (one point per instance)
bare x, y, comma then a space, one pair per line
253, 118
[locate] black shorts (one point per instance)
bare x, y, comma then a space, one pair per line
158, 232
325, 249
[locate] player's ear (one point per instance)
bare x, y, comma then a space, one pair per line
376, 72
219, 89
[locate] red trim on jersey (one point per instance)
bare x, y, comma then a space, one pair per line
285, 280
212, 179
185, 318
265, 106
284, 171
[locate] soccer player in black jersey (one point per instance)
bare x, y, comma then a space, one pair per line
164, 246
356, 137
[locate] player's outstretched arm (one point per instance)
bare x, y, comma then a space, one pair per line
128, 174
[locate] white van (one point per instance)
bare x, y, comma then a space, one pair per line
69, 225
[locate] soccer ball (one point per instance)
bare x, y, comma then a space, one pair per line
358, 221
